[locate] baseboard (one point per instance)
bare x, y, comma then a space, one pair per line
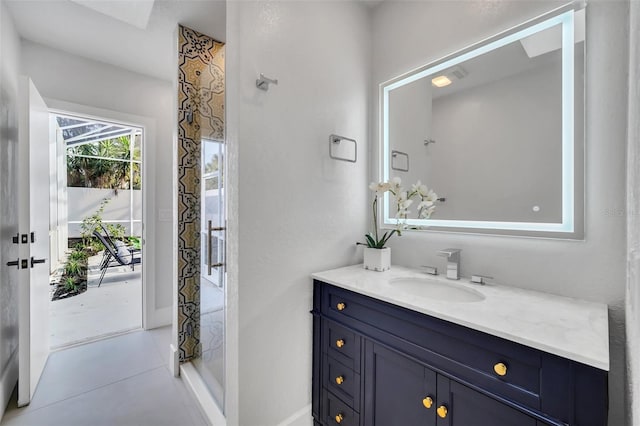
174, 361
299, 418
199, 389
8, 381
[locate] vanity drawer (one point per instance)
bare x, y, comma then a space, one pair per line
337, 412
500, 366
342, 381
342, 344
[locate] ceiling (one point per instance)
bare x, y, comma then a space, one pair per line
115, 31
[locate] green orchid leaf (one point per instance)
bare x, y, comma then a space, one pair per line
370, 241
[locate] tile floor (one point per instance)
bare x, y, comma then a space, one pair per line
112, 308
211, 364
120, 381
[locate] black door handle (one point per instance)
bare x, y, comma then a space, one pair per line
14, 263
34, 261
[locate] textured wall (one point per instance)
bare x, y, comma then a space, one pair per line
633, 220
299, 211
408, 34
200, 115
9, 63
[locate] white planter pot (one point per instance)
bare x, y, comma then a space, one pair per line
377, 259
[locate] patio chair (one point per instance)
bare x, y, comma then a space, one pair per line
115, 254
117, 243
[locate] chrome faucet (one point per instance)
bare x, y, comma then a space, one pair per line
453, 262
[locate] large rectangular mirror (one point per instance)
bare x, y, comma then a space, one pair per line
496, 130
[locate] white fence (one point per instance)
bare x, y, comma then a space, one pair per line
124, 208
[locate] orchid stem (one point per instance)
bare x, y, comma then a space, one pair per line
375, 216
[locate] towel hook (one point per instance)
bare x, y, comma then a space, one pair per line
263, 82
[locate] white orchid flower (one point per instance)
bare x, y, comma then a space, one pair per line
426, 209
404, 205
380, 188
404, 200
395, 185
430, 196
425, 204
420, 189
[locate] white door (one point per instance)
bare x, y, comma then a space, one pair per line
34, 240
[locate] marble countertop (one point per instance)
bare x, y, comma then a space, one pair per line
571, 328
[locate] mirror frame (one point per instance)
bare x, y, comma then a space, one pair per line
571, 225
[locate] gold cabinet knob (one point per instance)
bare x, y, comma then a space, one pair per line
340, 306
442, 411
340, 343
427, 402
500, 369
339, 380
339, 418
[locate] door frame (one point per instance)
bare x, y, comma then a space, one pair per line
151, 316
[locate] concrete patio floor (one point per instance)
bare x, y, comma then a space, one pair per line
112, 308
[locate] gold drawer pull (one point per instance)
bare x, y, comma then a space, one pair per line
339, 418
500, 369
339, 380
340, 306
442, 411
340, 343
427, 402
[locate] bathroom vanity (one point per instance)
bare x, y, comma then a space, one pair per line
403, 348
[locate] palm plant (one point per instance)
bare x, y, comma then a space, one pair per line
86, 171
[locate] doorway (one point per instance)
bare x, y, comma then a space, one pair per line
96, 224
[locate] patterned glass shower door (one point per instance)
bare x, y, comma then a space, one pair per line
210, 363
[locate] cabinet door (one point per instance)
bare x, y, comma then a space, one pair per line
467, 407
397, 390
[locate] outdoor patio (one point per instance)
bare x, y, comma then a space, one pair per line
112, 308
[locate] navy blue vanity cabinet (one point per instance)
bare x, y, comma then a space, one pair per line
398, 391
378, 364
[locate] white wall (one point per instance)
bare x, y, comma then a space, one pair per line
299, 211
633, 220
9, 64
409, 34
73, 79
83, 202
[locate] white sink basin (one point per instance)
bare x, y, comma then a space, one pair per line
448, 292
